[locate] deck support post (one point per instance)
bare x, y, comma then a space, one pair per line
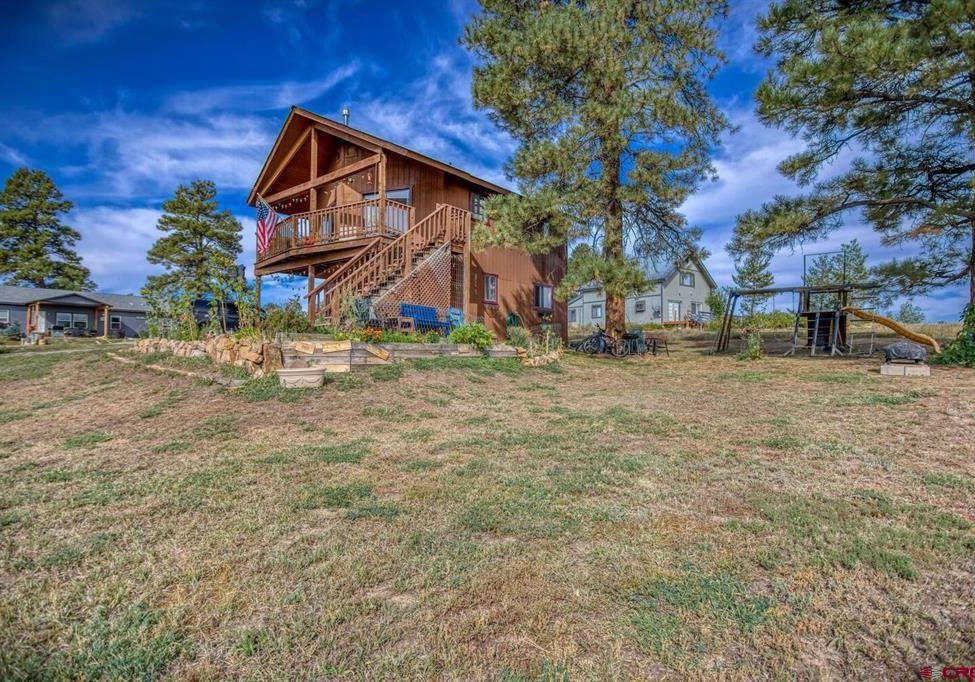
312, 313
467, 267
105, 322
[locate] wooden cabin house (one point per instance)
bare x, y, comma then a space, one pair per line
364, 218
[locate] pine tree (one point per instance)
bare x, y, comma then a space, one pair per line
36, 248
200, 247
607, 101
849, 266
909, 313
895, 81
752, 272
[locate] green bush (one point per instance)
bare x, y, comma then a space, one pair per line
473, 333
753, 348
778, 319
961, 351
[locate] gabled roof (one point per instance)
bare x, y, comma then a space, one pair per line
363, 139
654, 274
24, 295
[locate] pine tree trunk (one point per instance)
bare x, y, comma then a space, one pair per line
613, 243
971, 270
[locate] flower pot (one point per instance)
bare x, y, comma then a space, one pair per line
302, 377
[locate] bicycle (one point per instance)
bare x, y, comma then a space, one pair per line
601, 342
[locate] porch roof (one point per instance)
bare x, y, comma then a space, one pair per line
11, 295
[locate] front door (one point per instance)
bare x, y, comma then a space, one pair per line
673, 311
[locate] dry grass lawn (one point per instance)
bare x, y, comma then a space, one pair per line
651, 518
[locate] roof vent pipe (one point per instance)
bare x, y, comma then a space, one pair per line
345, 115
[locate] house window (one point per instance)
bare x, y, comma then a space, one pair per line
115, 322
695, 308
62, 320
596, 312
79, 321
479, 206
397, 217
641, 305
4, 317
687, 279
543, 296
573, 314
490, 288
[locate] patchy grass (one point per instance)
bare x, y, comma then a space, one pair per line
86, 440
650, 518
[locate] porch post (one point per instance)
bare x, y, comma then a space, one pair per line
468, 279
381, 181
313, 192
311, 299
105, 321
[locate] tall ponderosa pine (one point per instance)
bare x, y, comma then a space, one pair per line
36, 248
849, 266
607, 101
200, 247
752, 272
893, 80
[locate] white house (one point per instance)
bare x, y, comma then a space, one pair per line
676, 293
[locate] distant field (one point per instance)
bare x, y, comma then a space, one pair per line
650, 518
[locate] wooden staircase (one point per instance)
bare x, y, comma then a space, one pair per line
378, 266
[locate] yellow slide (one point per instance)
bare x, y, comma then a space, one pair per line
891, 324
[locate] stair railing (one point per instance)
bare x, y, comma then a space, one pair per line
370, 268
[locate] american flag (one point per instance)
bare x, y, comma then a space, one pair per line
267, 222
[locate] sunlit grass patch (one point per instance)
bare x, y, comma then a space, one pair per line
672, 613
389, 372
424, 434
331, 496
270, 388
947, 480
422, 465
171, 447
880, 399
86, 440
217, 426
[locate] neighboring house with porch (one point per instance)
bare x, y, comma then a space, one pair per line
677, 293
366, 219
52, 311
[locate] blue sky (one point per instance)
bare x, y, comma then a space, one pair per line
121, 101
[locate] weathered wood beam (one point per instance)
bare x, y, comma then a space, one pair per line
287, 159
348, 137
323, 179
313, 192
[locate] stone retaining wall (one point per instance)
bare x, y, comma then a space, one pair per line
257, 358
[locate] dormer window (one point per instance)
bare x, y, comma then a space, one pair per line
687, 279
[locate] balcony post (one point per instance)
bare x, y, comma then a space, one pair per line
381, 182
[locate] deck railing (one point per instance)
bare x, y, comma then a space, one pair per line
358, 220
377, 264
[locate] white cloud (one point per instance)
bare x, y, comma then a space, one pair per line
86, 21
438, 118
113, 245
259, 96
12, 156
134, 155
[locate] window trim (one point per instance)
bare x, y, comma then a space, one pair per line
497, 288
74, 319
115, 322
637, 306
4, 317
687, 274
551, 297
592, 313
482, 217
59, 323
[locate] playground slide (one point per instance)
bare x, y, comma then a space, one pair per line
891, 324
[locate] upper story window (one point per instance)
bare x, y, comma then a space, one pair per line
479, 206
490, 288
596, 312
687, 279
543, 296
